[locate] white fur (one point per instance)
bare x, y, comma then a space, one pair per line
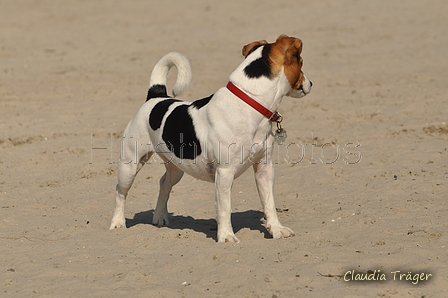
233, 137
160, 71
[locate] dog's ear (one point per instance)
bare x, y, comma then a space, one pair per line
247, 49
285, 52
282, 37
294, 49
291, 46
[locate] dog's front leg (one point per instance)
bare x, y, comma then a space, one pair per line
264, 177
223, 186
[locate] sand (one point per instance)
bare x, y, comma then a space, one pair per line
362, 179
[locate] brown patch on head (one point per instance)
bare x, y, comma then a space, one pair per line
285, 52
248, 48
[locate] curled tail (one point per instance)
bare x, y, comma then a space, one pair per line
157, 83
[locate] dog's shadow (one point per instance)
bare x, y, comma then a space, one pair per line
251, 219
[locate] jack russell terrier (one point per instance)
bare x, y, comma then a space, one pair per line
190, 136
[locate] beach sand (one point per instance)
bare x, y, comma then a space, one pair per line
362, 178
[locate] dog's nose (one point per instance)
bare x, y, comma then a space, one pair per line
311, 84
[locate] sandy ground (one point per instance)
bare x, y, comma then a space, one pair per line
368, 193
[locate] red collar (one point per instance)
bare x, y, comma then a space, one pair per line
254, 104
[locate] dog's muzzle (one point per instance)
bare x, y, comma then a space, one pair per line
303, 89
306, 86
306, 90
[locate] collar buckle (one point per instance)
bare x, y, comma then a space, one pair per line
276, 117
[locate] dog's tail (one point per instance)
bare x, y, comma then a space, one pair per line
157, 83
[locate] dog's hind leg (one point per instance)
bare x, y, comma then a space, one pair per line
126, 175
171, 177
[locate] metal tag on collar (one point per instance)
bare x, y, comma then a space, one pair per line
280, 134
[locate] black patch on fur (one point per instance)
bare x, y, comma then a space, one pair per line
179, 134
157, 113
261, 66
156, 91
201, 102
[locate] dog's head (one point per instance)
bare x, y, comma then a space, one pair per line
281, 56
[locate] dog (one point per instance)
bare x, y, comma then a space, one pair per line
216, 138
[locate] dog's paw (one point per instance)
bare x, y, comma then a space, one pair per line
229, 237
280, 232
160, 219
117, 223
